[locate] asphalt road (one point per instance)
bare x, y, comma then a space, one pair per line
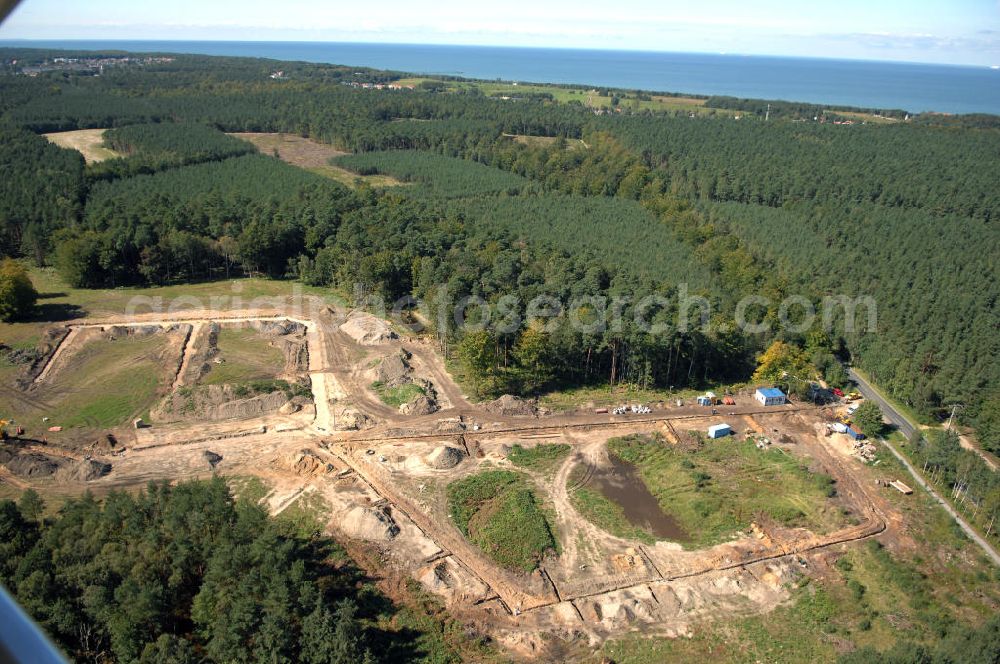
893, 415
907, 429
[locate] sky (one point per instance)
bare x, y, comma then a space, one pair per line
936, 31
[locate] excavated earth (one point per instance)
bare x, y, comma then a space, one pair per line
382, 474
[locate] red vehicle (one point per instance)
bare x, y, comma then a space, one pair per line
838, 392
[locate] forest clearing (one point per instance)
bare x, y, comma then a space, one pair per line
366, 472
310, 155
88, 142
455, 357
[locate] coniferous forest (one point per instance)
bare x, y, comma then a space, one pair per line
189, 573
632, 202
506, 201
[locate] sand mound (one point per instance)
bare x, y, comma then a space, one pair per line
437, 578
349, 419
367, 330
117, 331
422, 405
278, 328
84, 471
305, 462
216, 402
394, 370
32, 465
508, 404
450, 425
20, 356
290, 407
51, 339
368, 524
443, 457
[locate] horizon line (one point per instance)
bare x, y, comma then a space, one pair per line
500, 46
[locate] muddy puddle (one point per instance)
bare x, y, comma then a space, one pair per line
620, 483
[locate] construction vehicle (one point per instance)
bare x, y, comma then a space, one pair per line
854, 396
854, 433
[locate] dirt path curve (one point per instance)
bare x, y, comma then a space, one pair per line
337, 364
442, 381
512, 591
568, 520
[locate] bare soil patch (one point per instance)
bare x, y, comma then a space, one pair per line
88, 142
310, 155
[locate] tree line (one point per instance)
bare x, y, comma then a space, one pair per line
186, 574
725, 189
157, 146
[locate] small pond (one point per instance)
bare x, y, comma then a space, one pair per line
621, 483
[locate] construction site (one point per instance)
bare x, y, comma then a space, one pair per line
341, 409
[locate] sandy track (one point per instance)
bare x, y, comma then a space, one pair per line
337, 372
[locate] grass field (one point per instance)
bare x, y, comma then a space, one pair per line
720, 488
113, 382
540, 458
105, 385
397, 396
307, 515
544, 141
871, 598
88, 142
246, 357
58, 302
312, 156
591, 98
248, 488
576, 397
498, 511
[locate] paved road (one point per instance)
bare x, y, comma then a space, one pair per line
973, 535
907, 430
907, 427
894, 416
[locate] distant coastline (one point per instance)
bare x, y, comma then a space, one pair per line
866, 84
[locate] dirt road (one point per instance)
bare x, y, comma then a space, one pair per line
969, 530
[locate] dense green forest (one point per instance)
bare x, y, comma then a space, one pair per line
436, 175
41, 191
902, 212
918, 276
619, 234
188, 574
154, 147
613, 222
252, 212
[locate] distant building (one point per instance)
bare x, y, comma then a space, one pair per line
769, 396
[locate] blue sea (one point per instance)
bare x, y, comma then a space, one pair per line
866, 84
